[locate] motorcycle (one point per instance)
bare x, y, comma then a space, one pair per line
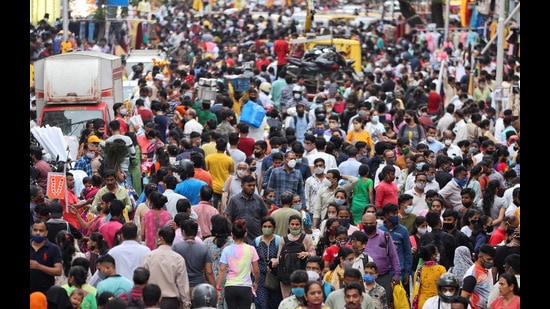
319, 63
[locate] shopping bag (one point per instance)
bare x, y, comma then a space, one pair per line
400, 300
271, 282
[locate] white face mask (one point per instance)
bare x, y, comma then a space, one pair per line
297, 96
422, 231
291, 163
448, 142
241, 173
319, 170
449, 294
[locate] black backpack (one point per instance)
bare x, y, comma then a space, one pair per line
134, 303
289, 260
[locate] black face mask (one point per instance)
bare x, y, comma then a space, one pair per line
467, 204
369, 229
257, 154
448, 226
490, 229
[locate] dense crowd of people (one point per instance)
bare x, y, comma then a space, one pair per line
394, 188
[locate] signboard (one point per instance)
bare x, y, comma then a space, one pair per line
57, 185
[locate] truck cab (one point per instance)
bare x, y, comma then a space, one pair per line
75, 87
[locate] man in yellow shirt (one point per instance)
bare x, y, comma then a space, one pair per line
220, 165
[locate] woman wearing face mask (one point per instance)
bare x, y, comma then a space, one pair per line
328, 237
480, 232
412, 129
346, 219
332, 211
342, 261
330, 253
267, 246
473, 181
493, 205
269, 200
359, 133
295, 232
426, 275
341, 197
469, 221
420, 228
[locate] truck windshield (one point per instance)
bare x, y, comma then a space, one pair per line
71, 122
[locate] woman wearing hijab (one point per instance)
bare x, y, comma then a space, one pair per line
462, 261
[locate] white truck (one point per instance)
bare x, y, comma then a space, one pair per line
75, 87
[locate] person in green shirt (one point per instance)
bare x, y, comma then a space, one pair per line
203, 111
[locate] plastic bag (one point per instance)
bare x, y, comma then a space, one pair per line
400, 300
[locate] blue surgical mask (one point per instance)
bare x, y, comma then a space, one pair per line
409, 209
298, 160
340, 202
298, 207
368, 278
101, 275
462, 182
274, 150
430, 178
38, 238
394, 219
298, 292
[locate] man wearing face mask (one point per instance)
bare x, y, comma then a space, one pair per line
45, 259
389, 159
451, 192
298, 281
451, 147
400, 236
287, 178
447, 286
450, 221
433, 144
326, 194
110, 280
406, 216
384, 254
84, 163
120, 112
315, 182
299, 121
478, 280
282, 214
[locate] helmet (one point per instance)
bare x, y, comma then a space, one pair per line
186, 169
447, 280
204, 295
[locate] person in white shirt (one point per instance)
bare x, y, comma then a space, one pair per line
192, 125
449, 139
389, 159
460, 129
129, 253
445, 121
330, 160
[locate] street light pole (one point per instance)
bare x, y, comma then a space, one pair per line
65, 19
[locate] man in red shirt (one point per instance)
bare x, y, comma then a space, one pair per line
281, 49
246, 144
435, 103
262, 59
